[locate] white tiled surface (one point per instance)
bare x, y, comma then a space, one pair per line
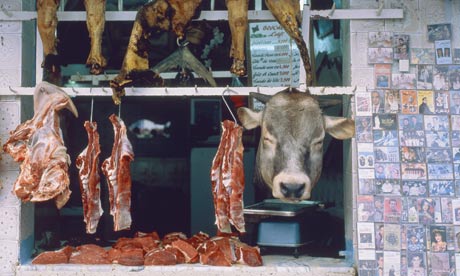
10, 51
8, 27
10, 77
273, 266
9, 222
9, 256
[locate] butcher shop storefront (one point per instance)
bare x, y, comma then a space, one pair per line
237, 137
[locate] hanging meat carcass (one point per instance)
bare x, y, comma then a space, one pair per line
238, 21
155, 16
287, 13
95, 20
117, 172
227, 179
38, 144
90, 186
47, 23
152, 17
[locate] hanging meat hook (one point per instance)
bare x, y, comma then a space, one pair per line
227, 89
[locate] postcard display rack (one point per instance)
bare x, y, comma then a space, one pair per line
408, 153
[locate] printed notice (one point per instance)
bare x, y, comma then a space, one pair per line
275, 58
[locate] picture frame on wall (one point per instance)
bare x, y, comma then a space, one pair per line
439, 32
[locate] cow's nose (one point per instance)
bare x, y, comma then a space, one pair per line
291, 190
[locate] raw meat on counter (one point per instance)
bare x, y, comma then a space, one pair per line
238, 21
95, 21
227, 179
90, 181
38, 144
116, 169
178, 249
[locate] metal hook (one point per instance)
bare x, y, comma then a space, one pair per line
356, 87
181, 44
119, 110
196, 88
12, 90
105, 91
92, 105
105, 75
74, 91
323, 89
166, 90
331, 13
226, 104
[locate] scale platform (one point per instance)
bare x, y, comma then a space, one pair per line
282, 224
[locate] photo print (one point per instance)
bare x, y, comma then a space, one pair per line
384, 121
454, 103
416, 238
366, 235
456, 56
446, 209
409, 104
456, 210
392, 210
422, 56
385, 138
412, 138
454, 77
439, 32
378, 208
441, 102
401, 46
414, 171
424, 76
439, 263
414, 188
386, 154
441, 77
413, 154
436, 122
379, 236
438, 238
411, 122
365, 208
441, 187
387, 171
426, 207
379, 55
382, 75
416, 264
365, 155
388, 187
380, 39
366, 186
363, 103
437, 139
364, 129
392, 101
442, 49
392, 237
403, 81
426, 101
437, 155
377, 101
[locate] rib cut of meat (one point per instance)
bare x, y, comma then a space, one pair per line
95, 21
160, 257
38, 144
117, 172
89, 254
190, 253
88, 171
227, 179
238, 21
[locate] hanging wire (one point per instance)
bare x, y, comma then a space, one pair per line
226, 104
119, 110
92, 107
290, 65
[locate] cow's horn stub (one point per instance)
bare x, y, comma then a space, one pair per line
260, 97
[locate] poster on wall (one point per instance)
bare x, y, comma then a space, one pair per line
443, 51
275, 58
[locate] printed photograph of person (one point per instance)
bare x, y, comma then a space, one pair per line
440, 78
380, 39
425, 77
426, 211
454, 77
441, 102
378, 105
416, 266
438, 238
363, 129
392, 210
439, 32
392, 103
401, 46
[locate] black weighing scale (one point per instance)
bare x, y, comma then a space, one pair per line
282, 224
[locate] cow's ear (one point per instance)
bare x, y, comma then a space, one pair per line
249, 118
339, 127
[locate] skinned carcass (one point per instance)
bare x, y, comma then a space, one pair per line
155, 16
238, 21
95, 21
290, 153
287, 13
47, 23
39, 145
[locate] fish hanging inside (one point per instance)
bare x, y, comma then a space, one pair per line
146, 129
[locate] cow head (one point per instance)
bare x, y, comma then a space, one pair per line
290, 154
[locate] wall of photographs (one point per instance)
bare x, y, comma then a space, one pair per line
408, 153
